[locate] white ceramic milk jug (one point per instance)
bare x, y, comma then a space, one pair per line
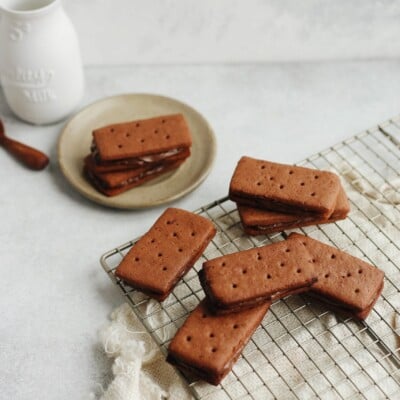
40, 63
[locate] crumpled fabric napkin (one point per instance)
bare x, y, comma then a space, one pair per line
140, 371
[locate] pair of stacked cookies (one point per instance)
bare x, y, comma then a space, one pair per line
129, 154
273, 197
240, 281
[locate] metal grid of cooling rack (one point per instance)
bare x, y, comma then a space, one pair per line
304, 349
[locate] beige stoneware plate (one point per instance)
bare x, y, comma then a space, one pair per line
75, 139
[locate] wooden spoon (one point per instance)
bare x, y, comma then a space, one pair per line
32, 158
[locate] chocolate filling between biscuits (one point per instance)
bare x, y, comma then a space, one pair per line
222, 308
295, 208
138, 161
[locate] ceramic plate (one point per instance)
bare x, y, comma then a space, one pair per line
75, 139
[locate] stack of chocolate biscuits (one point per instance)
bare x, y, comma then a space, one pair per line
273, 197
129, 154
240, 287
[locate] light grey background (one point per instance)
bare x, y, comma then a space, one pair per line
193, 31
54, 296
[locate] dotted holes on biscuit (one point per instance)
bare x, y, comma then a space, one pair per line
167, 136
313, 194
213, 349
152, 240
259, 256
298, 270
302, 183
269, 276
360, 271
211, 335
357, 290
137, 259
326, 275
234, 285
141, 140
235, 326
282, 264
137, 124
188, 338
163, 121
244, 271
258, 183
291, 172
120, 146
175, 234
159, 254
180, 250
112, 130
281, 186
193, 234
127, 134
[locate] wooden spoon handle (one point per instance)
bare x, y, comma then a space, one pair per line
31, 157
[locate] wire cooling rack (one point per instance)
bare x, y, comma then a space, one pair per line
304, 349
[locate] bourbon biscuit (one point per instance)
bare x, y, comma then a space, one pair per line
284, 188
166, 252
343, 280
257, 221
244, 279
115, 183
164, 135
208, 345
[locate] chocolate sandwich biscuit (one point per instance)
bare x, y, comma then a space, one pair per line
284, 188
247, 278
208, 345
257, 221
166, 252
343, 280
114, 183
143, 141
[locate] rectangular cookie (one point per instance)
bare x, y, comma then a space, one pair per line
114, 183
257, 221
208, 345
146, 140
284, 188
247, 278
166, 252
343, 280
